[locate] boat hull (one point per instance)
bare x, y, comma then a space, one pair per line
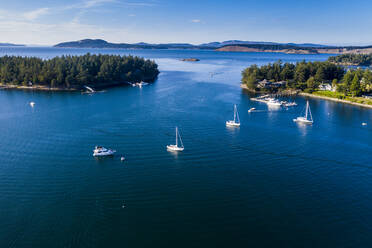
175, 148
232, 124
303, 121
104, 154
274, 104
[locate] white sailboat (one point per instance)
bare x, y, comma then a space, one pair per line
175, 147
236, 121
308, 118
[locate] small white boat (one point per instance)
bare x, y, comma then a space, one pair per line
288, 104
32, 104
236, 121
307, 119
100, 151
291, 104
273, 102
140, 84
176, 148
251, 110
364, 124
89, 89
122, 159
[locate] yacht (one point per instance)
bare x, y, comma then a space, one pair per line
273, 102
100, 151
307, 119
290, 104
236, 121
176, 147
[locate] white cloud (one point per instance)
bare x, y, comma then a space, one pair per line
196, 21
32, 15
94, 3
36, 33
26, 28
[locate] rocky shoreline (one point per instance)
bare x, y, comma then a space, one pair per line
36, 88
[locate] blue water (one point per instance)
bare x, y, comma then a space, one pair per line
269, 183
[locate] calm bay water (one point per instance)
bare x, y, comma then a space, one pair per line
268, 183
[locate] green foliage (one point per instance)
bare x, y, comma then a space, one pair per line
334, 83
311, 83
307, 76
296, 75
330, 94
76, 71
355, 86
352, 59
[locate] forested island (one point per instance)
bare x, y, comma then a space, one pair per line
10, 45
225, 46
352, 59
320, 78
75, 72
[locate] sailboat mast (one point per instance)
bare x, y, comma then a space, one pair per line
234, 112
307, 108
176, 136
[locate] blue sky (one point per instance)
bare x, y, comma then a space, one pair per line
47, 22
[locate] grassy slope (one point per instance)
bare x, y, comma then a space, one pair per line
341, 96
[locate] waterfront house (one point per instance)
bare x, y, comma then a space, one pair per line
327, 87
265, 84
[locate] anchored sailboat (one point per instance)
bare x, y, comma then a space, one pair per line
308, 118
176, 147
236, 121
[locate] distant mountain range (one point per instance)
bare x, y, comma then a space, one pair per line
9, 45
230, 45
98, 43
240, 42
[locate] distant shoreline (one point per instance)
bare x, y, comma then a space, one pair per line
226, 46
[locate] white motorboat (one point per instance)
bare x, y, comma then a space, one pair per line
307, 119
176, 148
100, 151
251, 110
89, 89
140, 84
273, 102
32, 104
290, 104
236, 121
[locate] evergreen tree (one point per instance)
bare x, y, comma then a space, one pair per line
355, 86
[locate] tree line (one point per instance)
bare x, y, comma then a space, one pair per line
73, 72
307, 76
352, 59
